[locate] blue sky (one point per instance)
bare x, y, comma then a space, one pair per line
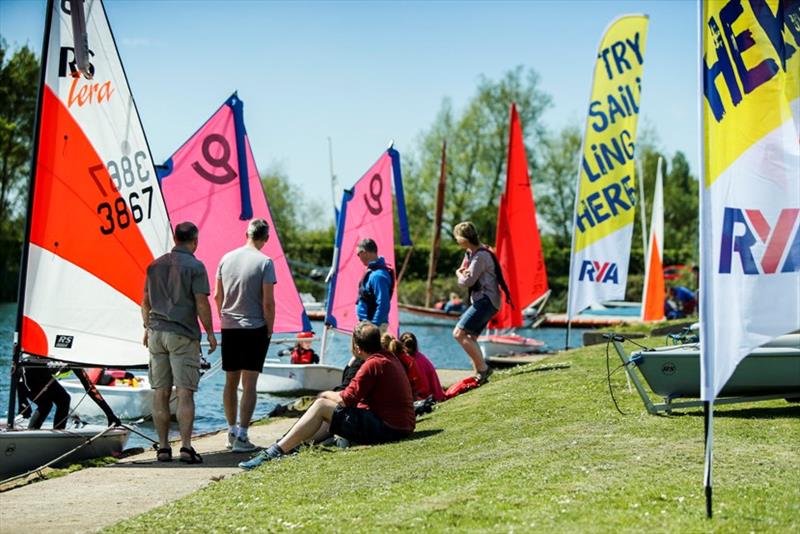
367, 72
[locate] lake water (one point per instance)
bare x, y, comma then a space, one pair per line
435, 341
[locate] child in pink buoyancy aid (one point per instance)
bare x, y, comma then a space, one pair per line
430, 385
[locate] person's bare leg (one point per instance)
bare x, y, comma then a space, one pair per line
230, 396
323, 433
161, 415
308, 425
185, 415
248, 402
470, 345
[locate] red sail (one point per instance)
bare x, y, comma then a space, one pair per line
518, 245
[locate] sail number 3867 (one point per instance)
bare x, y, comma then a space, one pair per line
117, 212
120, 213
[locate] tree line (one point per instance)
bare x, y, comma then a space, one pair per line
477, 138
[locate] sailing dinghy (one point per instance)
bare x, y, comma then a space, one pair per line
213, 181
129, 399
771, 371
366, 212
519, 250
95, 220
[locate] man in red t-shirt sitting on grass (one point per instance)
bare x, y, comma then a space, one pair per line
377, 406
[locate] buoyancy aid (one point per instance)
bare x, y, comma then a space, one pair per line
366, 294
302, 355
412, 372
461, 387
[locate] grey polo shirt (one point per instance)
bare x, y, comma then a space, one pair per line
172, 282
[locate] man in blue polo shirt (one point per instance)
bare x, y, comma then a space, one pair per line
376, 287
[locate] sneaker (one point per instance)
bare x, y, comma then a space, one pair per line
243, 445
231, 440
341, 442
483, 376
267, 455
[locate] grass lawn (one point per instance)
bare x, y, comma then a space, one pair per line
530, 451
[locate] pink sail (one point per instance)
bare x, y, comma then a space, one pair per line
212, 183
366, 211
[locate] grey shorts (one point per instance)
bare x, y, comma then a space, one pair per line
174, 360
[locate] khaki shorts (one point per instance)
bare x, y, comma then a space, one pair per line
174, 360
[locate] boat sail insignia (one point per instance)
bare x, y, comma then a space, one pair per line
95, 220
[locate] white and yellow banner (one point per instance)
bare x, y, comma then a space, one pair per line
605, 195
750, 195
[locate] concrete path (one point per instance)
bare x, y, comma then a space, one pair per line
91, 499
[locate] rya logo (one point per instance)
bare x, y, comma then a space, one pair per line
602, 272
748, 235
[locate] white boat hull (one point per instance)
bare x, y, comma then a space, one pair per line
498, 345
22, 450
289, 379
127, 402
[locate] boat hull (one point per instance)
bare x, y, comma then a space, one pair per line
673, 372
290, 380
23, 450
422, 316
498, 345
128, 403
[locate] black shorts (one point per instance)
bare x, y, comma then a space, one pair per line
363, 426
244, 349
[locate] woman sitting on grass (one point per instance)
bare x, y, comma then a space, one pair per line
429, 380
377, 406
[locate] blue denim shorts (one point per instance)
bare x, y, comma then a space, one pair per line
477, 316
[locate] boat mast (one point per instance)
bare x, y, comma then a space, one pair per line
23, 264
642, 214
437, 227
334, 182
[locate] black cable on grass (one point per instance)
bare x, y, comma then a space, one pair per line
638, 344
609, 373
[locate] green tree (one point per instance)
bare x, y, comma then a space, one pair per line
295, 217
18, 82
476, 152
554, 185
285, 201
681, 205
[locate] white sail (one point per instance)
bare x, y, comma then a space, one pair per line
97, 216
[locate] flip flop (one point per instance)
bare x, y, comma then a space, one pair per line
164, 455
192, 458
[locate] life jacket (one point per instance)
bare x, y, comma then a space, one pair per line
367, 295
461, 387
301, 355
498, 273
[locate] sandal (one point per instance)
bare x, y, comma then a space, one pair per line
164, 455
192, 458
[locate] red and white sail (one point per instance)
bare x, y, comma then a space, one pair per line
654, 291
212, 181
518, 246
97, 217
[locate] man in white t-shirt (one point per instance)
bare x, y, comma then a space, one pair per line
246, 305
